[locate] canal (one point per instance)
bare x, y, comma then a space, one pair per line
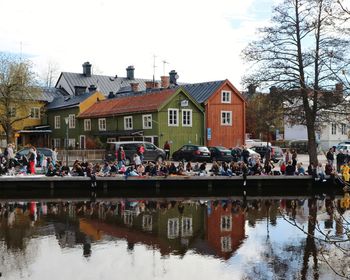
175, 238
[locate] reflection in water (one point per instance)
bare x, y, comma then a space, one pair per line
259, 238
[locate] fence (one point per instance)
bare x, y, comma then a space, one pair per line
82, 155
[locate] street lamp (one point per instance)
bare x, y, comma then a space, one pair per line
66, 120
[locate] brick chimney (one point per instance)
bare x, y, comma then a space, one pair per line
134, 87
150, 85
165, 81
87, 69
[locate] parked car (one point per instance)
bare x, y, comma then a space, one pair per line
237, 153
152, 152
25, 151
191, 152
219, 153
343, 146
276, 152
255, 142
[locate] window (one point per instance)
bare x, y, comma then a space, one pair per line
334, 129
226, 224
186, 117
226, 96
226, 244
35, 113
57, 122
12, 112
226, 118
87, 125
129, 217
173, 117
71, 142
102, 124
71, 121
147, 222
343, 129
57, 142
111, 140
128, 123
186, 227
146, 121
173, 228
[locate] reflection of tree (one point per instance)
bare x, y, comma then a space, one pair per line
321, 244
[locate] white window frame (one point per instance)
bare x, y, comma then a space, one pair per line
186, 226
102, 124
225, 96
343, 128
173, 228
35, 113
71, 121
13, 112
87, 124
333, 128
128, 123
226, 223
147, 121
57, 142
147, 222
223, 119
57, 122
128, 217
171, 116
71, 142
226, 244
185, 111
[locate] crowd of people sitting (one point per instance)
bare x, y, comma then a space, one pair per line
240, 167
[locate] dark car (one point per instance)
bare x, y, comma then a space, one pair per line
152, 152
276, 152
219, 153
40, 151
191, 152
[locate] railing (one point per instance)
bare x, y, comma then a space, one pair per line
81, 155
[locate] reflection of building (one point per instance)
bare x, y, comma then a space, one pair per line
225, 227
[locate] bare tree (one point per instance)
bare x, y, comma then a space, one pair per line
304, 53
50, 74
17, 87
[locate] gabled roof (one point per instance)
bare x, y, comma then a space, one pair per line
49, 94
69, 101
142, 102
104, 84
201, 92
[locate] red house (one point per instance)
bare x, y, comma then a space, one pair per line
224, 112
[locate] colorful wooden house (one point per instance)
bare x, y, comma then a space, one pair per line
224, 112
155, 116
62, 115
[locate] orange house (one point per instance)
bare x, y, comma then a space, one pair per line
224, 112
225, 224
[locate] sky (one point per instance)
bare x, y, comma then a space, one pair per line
201, 40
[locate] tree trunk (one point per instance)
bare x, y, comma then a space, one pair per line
312, 145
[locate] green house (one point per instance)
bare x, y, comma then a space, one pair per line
156, 116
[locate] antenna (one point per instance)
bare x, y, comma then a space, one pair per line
164, 62
154, 67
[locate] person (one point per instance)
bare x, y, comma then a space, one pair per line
137, 160
120, 156
31, 161
345, 172
51, 171
300, 169
245, 155
141, 151
9, 154
320, 172
330, 156
54, 156
290, 168
340, 159
167, 150
267, 154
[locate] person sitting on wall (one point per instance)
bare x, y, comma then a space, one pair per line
51, 171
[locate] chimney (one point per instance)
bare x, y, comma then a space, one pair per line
134, 87
173, 77
151, 85
165, 81
92, 88
87, 69
130, 72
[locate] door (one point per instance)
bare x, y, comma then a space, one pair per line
82, 143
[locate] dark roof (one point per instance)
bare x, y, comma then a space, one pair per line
202, 91
49, 94
143, 102
69, 101
104, 84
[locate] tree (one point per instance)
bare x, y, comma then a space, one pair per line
17, 87
50, 74
304, 53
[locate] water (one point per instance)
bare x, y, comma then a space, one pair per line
197, 238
